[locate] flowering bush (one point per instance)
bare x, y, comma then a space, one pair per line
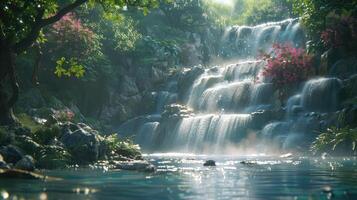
286, 66
72, 46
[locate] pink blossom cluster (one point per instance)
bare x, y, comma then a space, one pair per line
287, 65
70, 31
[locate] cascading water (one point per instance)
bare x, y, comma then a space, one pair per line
230, 102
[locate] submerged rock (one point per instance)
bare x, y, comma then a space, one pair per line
26, 163
137, 165
209, 163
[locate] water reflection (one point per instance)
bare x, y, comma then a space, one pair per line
184, 177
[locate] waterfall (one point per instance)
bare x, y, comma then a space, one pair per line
230, 102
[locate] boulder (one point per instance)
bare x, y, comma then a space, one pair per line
209, 163
81, 141
26, 163
11, 153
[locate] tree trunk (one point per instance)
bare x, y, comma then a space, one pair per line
7, 78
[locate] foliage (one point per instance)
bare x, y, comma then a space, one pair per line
287, 65
46, 134
69, 68
71, 44
341, 31
315, 16
334, 138
252, 13
123, 147
53, 157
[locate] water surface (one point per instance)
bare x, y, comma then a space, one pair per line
182, 176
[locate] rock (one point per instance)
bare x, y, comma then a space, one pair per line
248, 162
82, 142
3, 165
344, 68
137, 165
19, 174
27, 144
128, 86
263, 117
11, 153
209, 163
177, 111
26, 163
186, 78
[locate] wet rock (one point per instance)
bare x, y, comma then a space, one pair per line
263, 117
19, 174
248, 162
344, 68
138, 165
177, 111
209, 163
81, 141
3, 165
11, 153
26, 163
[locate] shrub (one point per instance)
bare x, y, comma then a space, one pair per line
335, 138
46, 135
122, 147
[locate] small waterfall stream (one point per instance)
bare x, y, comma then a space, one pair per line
231, 107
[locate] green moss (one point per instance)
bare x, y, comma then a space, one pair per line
26, 121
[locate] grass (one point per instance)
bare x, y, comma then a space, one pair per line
28, 122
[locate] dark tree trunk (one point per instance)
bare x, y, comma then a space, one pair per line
7, 78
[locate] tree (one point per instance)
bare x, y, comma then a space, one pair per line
21, 24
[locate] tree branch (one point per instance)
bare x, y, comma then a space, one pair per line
40, 23
62, 13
